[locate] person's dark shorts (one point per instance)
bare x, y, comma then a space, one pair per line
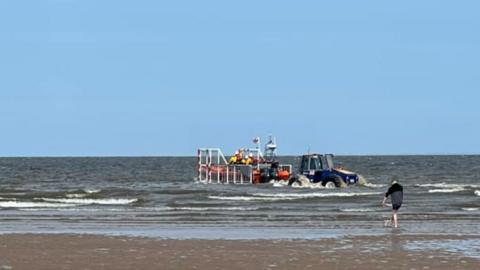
396, 206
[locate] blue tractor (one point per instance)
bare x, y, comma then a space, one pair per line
319, 168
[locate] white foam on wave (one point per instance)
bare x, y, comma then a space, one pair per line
91, 201
14, 194
371, 185
314, 194
451, 190
477, 192
212, 208
76, 195
280, 184
290, 196
310, 186
92, 191
242, 198
201, 182
358, 210
15, 204
470, 209
449, 186
74, 208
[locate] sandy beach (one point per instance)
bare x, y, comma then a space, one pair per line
43, 251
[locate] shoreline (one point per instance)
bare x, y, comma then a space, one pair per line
86, 251
326, 230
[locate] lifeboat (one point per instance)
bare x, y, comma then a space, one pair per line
283, 175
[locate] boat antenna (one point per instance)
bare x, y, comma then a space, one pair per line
270, 149
256, 141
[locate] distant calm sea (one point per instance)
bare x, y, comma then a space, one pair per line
158, 196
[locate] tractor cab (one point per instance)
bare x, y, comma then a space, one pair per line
321, 169
316, 162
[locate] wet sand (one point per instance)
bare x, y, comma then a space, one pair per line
41, 251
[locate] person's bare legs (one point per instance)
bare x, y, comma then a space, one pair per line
391, 221
395, 218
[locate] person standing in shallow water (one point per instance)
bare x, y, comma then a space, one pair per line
396, 195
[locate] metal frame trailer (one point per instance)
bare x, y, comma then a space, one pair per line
212, 167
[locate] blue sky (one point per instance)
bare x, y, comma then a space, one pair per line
87, 78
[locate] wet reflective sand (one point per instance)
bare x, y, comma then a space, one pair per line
393, 251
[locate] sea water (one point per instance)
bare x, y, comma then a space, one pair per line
158, 197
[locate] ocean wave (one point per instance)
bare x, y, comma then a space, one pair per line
76, 195
371, 185
451, 190
289, 196
450, 186
470, 209
310, 186
320, 186
477, 192
92, 191
91, 201
314, 194
280, 183
16, 204
212, 208
13, 193
358, 210
243, 198
73, 208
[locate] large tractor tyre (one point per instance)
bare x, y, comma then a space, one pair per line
301, 180
333, 181
362, 181
293, 179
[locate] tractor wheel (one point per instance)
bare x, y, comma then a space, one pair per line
300, 180
293, 179
330, 185
333, 181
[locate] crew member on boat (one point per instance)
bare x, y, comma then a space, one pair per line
234, 158
250, 160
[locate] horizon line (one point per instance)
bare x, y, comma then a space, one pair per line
186, 156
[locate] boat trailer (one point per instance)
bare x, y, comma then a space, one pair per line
213, 167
